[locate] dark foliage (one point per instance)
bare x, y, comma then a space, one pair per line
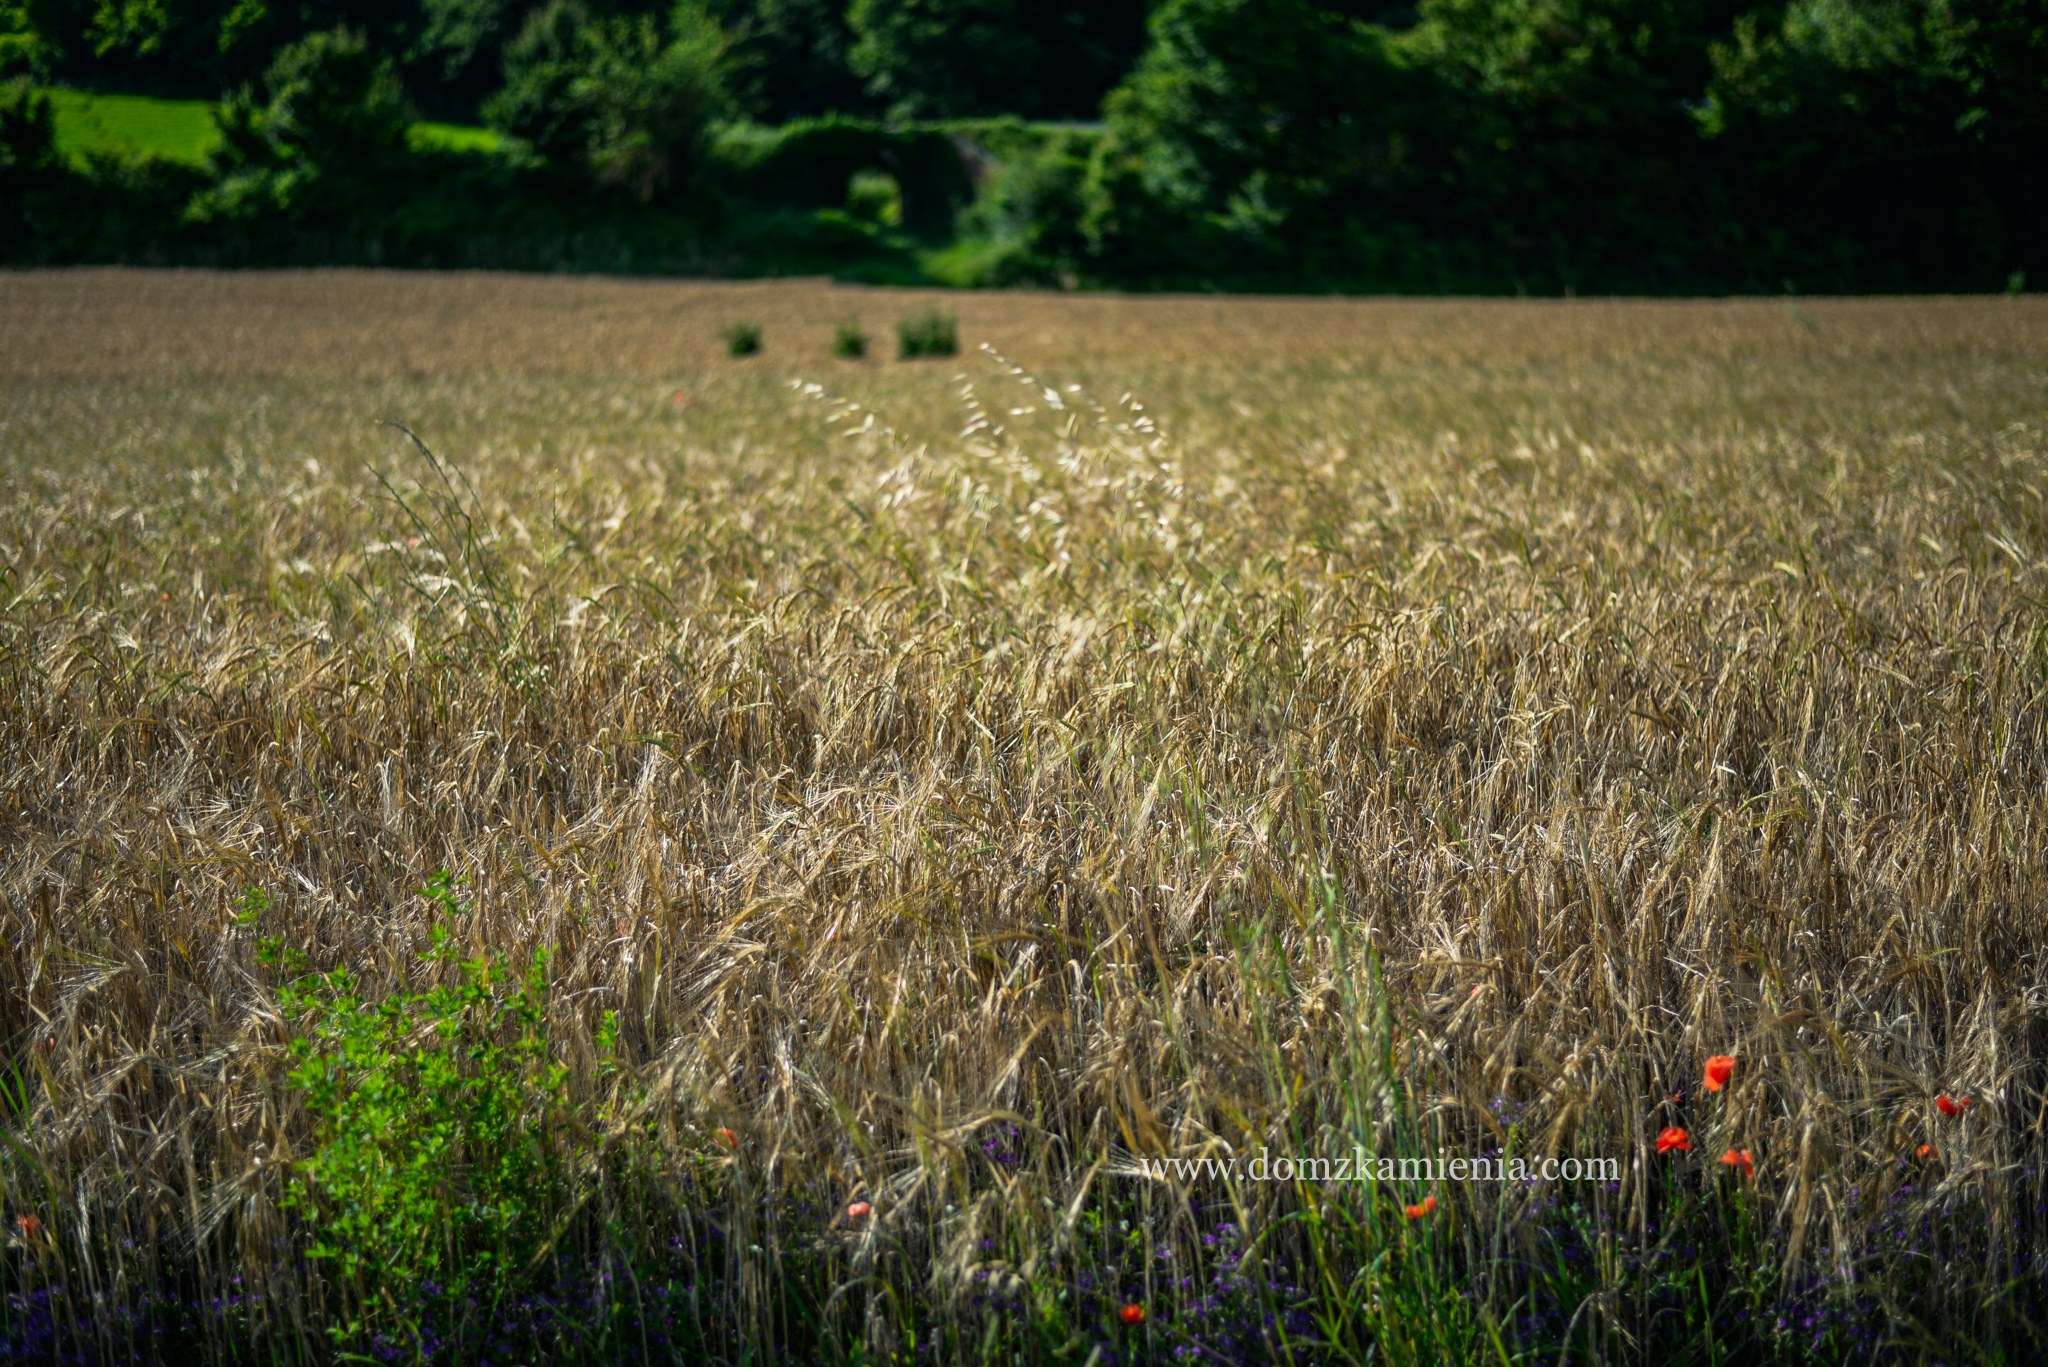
1548, 146
619, 101
961, 58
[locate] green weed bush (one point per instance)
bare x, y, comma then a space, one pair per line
436, 1116
931, 333
743, 339
849, 342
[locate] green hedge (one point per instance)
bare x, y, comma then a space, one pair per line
807, 165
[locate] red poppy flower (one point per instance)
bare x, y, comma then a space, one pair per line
1720, 1068
1926, 1151
1741, 1160
1952, 1106
857, 1210
31, 1226
727, 1137
1673, 1137
1132, 1314
1420, 1208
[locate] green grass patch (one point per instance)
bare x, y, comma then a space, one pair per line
453, 137
135, 126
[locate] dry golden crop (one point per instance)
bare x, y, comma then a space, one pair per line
1400, 726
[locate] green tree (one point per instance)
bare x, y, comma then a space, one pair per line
1886, 143
790, 58
29, 164
1028, 212
1489, 144
1251, 132
618, 99
461, 46
327, 144
196, 47
312, 169
954, 58
335, 101
1572, 140
23, 48
28, 131
941, 58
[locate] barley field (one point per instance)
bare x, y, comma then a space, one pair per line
528, 839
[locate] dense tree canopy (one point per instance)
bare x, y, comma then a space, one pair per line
1603, 144
622, 98
1549, 145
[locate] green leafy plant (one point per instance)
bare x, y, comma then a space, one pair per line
436, 1114
742, 339
931, 333
849, 342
